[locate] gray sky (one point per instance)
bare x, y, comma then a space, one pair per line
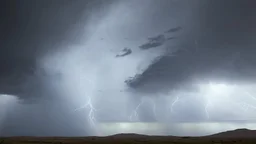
60, 77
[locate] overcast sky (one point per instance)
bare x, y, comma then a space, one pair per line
59, 74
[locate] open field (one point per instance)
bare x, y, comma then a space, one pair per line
241, 136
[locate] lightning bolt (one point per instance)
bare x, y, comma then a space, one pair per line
250, 95
206, 109
173, 104
89, 103
134, 115
243, 105
92, 110
154, 107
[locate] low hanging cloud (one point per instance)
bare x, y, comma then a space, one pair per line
77, 86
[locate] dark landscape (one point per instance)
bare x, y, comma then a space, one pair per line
239, 136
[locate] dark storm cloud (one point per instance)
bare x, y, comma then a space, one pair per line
219, 45
80, 66
31, 29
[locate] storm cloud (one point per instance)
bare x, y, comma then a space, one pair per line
60, 75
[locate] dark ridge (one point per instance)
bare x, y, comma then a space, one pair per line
238, 133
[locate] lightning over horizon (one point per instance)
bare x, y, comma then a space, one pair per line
75, 68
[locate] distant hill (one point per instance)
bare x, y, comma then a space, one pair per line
239, 133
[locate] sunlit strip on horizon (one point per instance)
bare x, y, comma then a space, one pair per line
175, 129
